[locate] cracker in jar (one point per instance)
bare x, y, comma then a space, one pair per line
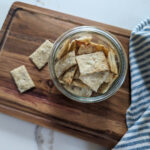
109, 77
92, 63
102, 40
112, 62
85, 39
77, 74
63, 50
40, 56
72, 46
84, 92
91, 48
65, 63
100, 47
106, 86
22, 79
79, 83
95, 80
68, 76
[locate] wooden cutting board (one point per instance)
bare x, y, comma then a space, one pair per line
24, 29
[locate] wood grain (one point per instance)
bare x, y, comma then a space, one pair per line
25, 28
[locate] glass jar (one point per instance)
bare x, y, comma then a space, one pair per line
97, 34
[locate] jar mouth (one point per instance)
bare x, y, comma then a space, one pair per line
121, 53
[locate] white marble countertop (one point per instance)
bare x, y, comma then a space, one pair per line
20, 135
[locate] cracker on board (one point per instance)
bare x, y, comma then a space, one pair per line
92, 63
68, 76
106, 86
63, 50
22, 79
95, 80
65, 63
84, 92
112, 62
40, 56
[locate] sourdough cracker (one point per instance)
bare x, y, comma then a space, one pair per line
40, 56
68, 76
79, 83
85, 39
72, 46
65, 63
61, 81
109, 77
77, 74
91, 48
84, 92
100, 47
92, 63
85, 49
64, 49
95, 80
102, 40
22, 79
106, 86
112, 62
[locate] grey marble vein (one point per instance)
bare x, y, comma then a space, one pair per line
44, 138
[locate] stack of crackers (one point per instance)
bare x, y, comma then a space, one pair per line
84, 67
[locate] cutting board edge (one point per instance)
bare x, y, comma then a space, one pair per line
38, 120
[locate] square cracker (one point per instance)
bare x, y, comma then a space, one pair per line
65, 63
95, 80
40, 56
22, 79
92, 63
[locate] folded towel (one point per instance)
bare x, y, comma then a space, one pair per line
138, 115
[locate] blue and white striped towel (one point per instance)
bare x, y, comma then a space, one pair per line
138, 115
